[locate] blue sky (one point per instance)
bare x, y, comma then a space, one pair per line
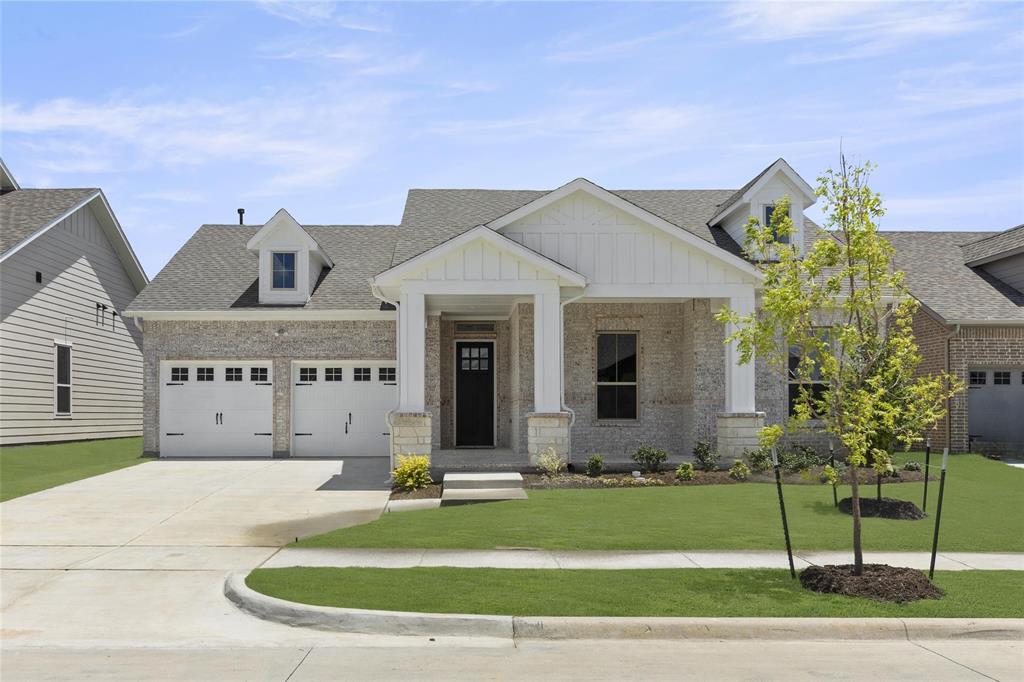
183, 112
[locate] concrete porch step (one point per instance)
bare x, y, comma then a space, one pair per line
482, 480
471, 495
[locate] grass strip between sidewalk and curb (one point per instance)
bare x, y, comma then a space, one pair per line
26, 469
649, 592
981, 513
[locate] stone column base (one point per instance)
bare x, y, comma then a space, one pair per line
410, 434
737, 433
547, 430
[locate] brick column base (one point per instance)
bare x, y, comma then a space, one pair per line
410, 434
547, 430
737, 433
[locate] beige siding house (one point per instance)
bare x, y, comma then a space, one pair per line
70, 365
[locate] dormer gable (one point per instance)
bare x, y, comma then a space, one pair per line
290, 261
758, 197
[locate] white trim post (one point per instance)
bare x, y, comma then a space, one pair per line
739, 378
547, 357
412, 339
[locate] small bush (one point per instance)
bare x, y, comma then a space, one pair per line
799, 458
739, 471
550, 462
704, 457
684, 472
912, 465
760, 459
650, 459
595, 465
412, 472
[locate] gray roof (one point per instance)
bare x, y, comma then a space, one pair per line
936, 276
214, 270
738, 194
987, 247
433, 216
24, 211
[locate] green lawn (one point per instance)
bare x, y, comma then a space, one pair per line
663, 592
28, 469
982, 512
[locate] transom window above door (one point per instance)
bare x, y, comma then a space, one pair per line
617, 375
283, 276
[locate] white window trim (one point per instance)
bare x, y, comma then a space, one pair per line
597, 384
57, 386
295, 270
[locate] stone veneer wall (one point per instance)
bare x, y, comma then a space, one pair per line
278, 341
520, 375
976, 347
432, 373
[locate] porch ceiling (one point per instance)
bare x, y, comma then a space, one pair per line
475, 304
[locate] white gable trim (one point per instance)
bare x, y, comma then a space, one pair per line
7, 177
111, 227
780, 166
643, 215
394, 275
284, 218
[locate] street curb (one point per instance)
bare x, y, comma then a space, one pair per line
368, 622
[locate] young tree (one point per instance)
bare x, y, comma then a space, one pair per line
843, 311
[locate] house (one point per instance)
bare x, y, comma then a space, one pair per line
70, 366
971, 323
486, 327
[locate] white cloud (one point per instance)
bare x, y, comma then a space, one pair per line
370, 20
609, 50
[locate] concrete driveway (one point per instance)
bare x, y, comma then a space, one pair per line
138, 556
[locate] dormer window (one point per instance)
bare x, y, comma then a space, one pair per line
283, 270
769, 209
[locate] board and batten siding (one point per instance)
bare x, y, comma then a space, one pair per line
1009, 270
609, 246
79, 269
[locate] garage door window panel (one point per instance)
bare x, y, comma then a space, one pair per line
204, 373
179, 373
258, 374
333, 374
232, 374
361, 374
307, 374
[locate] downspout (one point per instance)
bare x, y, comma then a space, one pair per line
949, 401
561, 376
376, 292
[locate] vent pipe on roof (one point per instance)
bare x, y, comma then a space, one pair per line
241, 212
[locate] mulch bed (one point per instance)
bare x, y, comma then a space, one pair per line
432, 491
879, 582
668, 477
887, 508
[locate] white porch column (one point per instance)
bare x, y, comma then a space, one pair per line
412, 340
547, 357
739, 379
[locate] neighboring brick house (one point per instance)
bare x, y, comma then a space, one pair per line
971, 322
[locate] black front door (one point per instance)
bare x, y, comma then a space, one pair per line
474, 393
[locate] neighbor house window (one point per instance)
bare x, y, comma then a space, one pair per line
361, 374
204, 373
232, 374
284, 269
333, 374
386, 374
62, 386
258, 374
813, 383
977, 379
616, 376
768, 210
1001, 378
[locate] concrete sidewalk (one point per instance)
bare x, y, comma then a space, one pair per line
620, 560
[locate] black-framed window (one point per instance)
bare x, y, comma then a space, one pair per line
386, 375
617, 375
1001, 378
179, 373
232, 374
62, 379
813, 383
361, 374
333, 374
204, 373
258, 374
283, 266
475, 358
768, 210
977, 378
307, 374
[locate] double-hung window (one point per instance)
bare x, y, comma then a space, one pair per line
62, 383
616, 376
769, 209
283, 266
812, 383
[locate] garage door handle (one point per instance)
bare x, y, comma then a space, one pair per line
263, 434
346, 428
303, 384
303, 434
173, 384
174, 434
264, 383
349, 417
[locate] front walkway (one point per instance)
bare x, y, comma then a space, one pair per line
618, 560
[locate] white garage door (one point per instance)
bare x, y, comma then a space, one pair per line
339, 409
216, 409
996, 405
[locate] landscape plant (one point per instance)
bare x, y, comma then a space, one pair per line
651, 460
684, 472
412, 472
739, 471
760, 459
704, 457
550, 462
842, 311
595, 465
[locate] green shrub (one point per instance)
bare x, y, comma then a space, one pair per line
412, 472
739, 471
799, 458
595, 465
684, 472
704, 457
550, 462
650, 459
760, 459
912, 465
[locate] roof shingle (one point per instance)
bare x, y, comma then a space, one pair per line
24, 211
